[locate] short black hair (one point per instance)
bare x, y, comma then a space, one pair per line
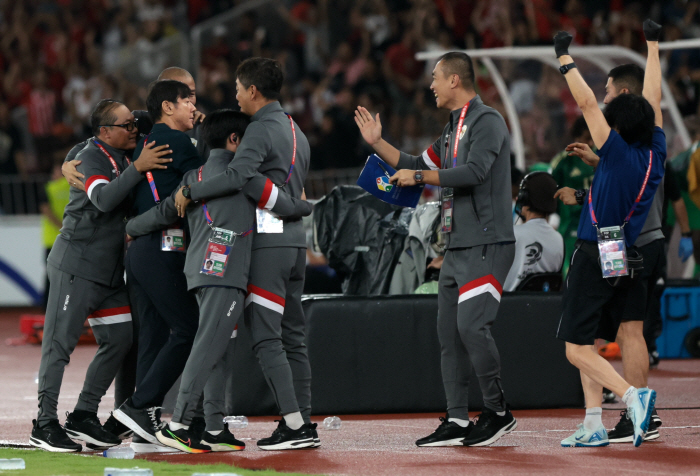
579, 127
263, 73
633, 118
630, 76
220, 124
460, 64
166, 90
103, 114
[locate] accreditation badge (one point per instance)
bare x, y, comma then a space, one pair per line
613, 252
447, 209
268, 222
173, 239
215, 260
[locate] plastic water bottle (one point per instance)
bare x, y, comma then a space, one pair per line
126, 452
332, 423
36, 378
128, 471
14, 463
236, 422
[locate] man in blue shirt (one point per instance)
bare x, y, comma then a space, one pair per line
632, 150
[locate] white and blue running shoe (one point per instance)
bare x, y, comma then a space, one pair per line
640, 412
587, 438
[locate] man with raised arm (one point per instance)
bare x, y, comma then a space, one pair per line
632, 150
471, 162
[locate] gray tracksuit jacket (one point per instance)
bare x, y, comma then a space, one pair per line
234, 212
266, 147
481, 180
91, 242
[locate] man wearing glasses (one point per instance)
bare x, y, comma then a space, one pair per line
86, 273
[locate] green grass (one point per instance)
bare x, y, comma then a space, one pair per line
44, 463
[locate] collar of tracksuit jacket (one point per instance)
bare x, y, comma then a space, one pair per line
219, 156
271, 108
117, 154
454, 115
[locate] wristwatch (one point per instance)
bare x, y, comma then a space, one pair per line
580, 194
186, 191
565, 69
418, 176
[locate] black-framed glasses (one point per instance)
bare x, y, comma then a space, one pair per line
129, 126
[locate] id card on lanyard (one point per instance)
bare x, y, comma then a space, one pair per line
447, 193
171, 239
221, 242
611, 240
268, 222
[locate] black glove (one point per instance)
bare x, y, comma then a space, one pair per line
652, 30
562, 40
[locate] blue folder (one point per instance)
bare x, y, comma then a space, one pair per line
374, 178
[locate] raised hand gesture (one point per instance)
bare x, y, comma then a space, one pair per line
370, 128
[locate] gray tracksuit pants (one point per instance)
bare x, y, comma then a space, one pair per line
219, 311
276, 319
71, 300
214, 398
469, 294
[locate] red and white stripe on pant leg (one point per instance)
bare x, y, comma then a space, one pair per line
113, 315
486, 284
264, 299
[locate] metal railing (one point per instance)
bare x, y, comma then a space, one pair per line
20, 196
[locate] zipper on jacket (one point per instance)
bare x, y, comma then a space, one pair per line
71, 279
483, 253
478, 220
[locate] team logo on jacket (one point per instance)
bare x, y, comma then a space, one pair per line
463, 131
194, 141
383, 184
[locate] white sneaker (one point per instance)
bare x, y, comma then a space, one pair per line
640, 411
586, 438
141, 445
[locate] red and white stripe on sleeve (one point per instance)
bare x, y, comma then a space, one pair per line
431, 159
93, 182
269, 196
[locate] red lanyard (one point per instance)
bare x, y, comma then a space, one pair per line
294, 153
210, 222
634, 205
459, 131
149, 177
109, 156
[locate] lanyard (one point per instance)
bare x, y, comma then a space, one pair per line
294, 153
634, 205
207, 216
149, 177
109, 156
459, 131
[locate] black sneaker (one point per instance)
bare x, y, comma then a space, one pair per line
144, 422
139, 445
447, 434
181, 440
117, 428
654, 359
489, 428
317, 440
85, 426
624, 430
197, 427
656, 418
284, 438
224, 441
52, 437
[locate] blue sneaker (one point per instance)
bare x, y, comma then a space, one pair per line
586, 438
640, 412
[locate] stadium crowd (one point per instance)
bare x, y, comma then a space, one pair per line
58, 58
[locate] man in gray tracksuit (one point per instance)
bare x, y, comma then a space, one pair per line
86, 271
471, 162
276, 145
216, 268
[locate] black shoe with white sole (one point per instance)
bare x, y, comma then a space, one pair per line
656, 418
117, 428
284, 438
224, 441
144, 422
182, 440
139, 445
52, 437
624, 430
85, 426
197, 427
448, 433
490, 427
317, 440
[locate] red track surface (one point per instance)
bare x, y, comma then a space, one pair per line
384, 444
